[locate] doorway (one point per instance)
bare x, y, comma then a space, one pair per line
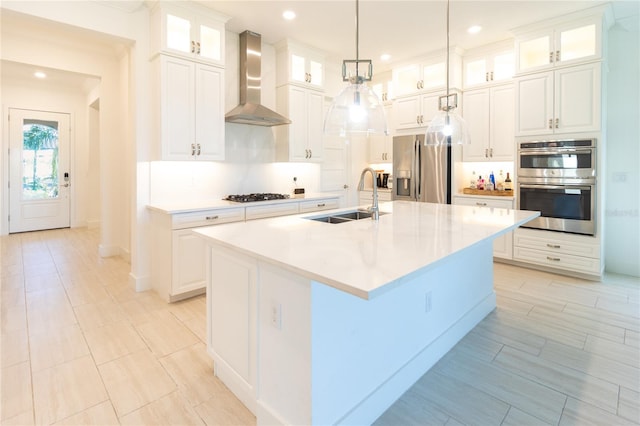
39, 175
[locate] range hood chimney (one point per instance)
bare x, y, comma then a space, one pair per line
250, 111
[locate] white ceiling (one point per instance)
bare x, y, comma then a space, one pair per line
403, 29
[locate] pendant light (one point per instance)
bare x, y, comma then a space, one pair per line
447, 127
357, 108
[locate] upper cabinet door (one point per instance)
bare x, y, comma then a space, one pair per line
181, 31
299, 65
565, 44
488, 67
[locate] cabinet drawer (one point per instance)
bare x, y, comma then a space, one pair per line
579, 247
271, 210
557, 260
368, 196
206, 218
317, 205
483, 202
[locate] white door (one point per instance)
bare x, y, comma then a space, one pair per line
39, 179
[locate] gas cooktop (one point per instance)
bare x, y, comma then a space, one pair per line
248, 198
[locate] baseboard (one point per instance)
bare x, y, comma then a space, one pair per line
108, 251
139, 283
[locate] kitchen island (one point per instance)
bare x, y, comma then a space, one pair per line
310, 322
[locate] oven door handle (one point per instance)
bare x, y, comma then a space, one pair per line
568, 186
558, 151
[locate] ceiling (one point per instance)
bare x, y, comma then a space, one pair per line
402, 29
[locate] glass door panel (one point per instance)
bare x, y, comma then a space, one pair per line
39, 160
434, 75
178, 33
210, 43
503, 66
578, 43
535, 52
476, 72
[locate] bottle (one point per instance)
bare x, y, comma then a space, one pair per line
500, 184
507, 183
480, 184
472, 184
492, 179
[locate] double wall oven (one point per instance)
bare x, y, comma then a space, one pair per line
558, 178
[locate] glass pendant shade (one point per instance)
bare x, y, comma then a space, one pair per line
447, 128
356, 109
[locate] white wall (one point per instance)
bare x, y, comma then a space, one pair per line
622, 180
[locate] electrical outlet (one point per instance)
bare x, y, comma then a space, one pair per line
427, 302
276, 315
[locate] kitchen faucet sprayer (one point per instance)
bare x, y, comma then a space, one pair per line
375, 214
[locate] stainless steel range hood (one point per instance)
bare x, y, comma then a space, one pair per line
250, 111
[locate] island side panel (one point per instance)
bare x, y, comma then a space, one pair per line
284, 341
366, 353
232, 321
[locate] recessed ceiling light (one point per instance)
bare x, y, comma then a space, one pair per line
39, 74
288, 15
385, 57
475, 29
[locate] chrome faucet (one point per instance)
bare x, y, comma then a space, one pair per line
375, 214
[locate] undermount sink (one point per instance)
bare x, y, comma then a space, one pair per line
344, 217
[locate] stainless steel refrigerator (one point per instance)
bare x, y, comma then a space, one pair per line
421, 173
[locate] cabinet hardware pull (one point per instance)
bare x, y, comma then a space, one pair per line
557, 120
193, 149
486, 153
557, 56
491, 152
554, 246
212, 217
321, 205
491, 75
198, 44
486, 76
551, 123
310, 153
553, 259
198, 149
550, 57
481, 204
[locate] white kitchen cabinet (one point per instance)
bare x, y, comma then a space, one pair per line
188, 30
489, 65
428, 74
299, 64
503, 245
561, 44
380, 148
177, 255
191, 116
302, 139
415, 111
365, 196
319, 205
263, 211
380, 145
566, 100
382, 86
558, 250
490, 115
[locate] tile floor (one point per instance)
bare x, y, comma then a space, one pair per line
80, 347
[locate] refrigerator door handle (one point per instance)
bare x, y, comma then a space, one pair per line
419, 171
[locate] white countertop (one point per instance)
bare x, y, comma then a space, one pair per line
364, 257
175, 207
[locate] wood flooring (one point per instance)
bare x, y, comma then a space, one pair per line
80, 347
